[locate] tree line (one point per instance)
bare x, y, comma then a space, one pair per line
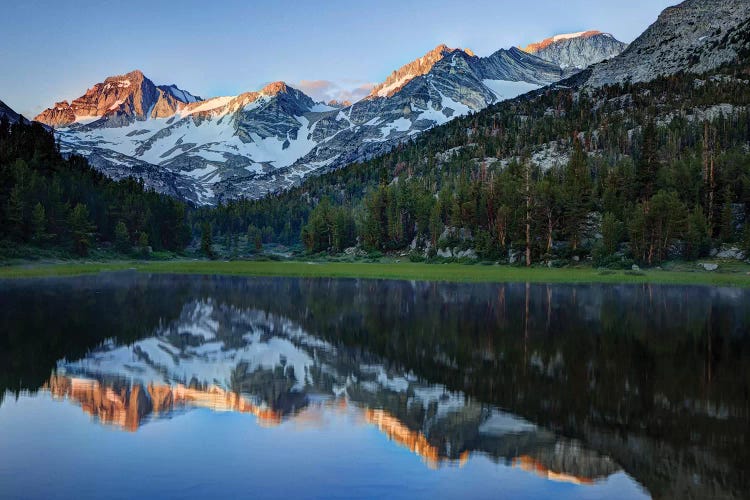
644, 172
652, 171
47, 200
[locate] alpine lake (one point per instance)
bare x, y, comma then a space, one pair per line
137, 385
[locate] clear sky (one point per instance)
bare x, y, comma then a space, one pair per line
55, 49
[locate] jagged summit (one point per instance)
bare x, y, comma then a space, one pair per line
266, 140
577, 50
274, 88
408, 72
335, 103
120, 98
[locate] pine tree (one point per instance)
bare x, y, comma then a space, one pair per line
15, 213
648, 163
254, 240
611, 233
81, 229
577, 189
696, 235
39, 224
727, 218
143, 246
122, 238
207, 241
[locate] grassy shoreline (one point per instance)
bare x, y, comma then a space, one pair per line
399, 271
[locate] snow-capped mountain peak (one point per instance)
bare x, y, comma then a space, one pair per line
577, 50
120, 99
533, 48
247, 145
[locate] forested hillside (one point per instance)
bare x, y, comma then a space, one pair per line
646, 172
47, 201
629, 173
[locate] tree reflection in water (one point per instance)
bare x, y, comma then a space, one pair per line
571, 382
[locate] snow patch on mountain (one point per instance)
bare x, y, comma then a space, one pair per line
254, 143
508, 90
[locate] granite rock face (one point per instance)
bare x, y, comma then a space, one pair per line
577, 50
128, 97
695, 36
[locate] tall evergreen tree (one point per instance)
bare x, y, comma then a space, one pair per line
577, 188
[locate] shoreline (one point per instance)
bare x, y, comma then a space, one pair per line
409, 271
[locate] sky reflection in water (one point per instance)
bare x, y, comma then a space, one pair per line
189, 386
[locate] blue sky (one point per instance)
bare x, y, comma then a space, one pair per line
55, 49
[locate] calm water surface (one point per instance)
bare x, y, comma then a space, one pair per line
126, 385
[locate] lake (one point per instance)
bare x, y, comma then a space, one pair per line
126, 385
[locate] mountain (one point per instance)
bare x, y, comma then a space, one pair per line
694, 36
119, 100
197, 144
408, 72
7, 113
577, 50
259, 142
252, 361
421, 197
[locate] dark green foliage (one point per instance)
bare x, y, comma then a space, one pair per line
576, 194
611, 233
81, 229
648, 174
122, 237
330, 228
207, 241
46, 199
654, 226
648, 162
696, 237
254, 239
39, 224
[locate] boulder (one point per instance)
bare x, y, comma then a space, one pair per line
733, 253
708, 267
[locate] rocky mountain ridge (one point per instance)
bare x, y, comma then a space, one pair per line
209, 150
121, 99
7, 113
409, 71
694, 36
577, 50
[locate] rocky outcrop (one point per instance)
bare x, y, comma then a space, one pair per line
408, 72
694, 36
577, 50
132, 96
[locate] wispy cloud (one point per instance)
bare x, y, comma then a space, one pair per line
327, 90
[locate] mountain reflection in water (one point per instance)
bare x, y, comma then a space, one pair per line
570, 383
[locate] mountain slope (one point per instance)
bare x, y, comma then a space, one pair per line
7, 113
260, 142
652, 141
694, 36
408, 72
577, 50
224, 138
